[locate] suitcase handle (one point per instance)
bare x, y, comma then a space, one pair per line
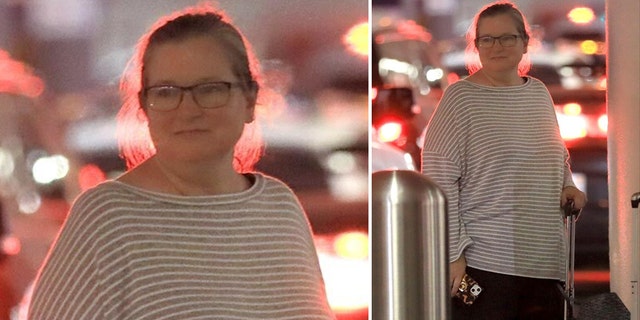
568, 290
570, 210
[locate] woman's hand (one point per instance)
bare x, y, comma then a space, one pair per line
572, 193
457, 269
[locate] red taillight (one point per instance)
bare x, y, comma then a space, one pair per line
602, 83
389, 131
89, 176
452, 77
575, 123
11, 246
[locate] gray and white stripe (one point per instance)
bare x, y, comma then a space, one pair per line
497, 154
126, 253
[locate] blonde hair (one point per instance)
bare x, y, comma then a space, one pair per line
472, 60
133, 135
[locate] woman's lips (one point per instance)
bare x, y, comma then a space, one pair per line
191, 131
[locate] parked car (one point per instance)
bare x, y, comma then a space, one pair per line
566, 69
9, 244
388, 157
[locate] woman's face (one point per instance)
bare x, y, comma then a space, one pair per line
190, 132
499, 58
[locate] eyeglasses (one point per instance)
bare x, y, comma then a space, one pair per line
505, 41
206, 95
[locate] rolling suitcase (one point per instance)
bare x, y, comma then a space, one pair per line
602, 306
568, 290
635, 203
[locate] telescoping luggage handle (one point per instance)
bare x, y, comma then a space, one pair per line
635, 256
570, 217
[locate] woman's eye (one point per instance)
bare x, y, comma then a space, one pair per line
210, 89
166, 92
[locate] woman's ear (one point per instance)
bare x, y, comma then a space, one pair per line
142, 112
252, 100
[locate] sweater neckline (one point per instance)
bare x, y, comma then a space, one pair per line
526, 83
258, 184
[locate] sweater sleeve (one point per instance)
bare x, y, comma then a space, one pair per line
441, 162
568, 177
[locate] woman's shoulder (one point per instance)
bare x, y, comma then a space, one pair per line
454, 93
109, 191
271, 183
96, 206
106, 188
461, 85
461, 89
535, 83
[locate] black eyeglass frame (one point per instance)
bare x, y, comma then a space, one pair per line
500, 40
229, 85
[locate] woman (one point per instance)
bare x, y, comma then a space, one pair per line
494, 147
188, 232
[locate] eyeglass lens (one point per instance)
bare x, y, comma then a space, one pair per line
505, 41
206, 95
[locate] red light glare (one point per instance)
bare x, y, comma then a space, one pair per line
89, 176
452, 77
412, 30
17, 78
592, 276
389, 132
11, 246
602, 84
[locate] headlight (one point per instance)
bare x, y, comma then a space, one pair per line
50, 168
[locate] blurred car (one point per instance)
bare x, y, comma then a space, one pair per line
564, 69
388, 157
583, 125
330, 183
9, 244
331, 186
408, 79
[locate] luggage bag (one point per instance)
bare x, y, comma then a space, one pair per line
568, 290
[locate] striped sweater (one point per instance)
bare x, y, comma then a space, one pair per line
127, 253
497, 154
